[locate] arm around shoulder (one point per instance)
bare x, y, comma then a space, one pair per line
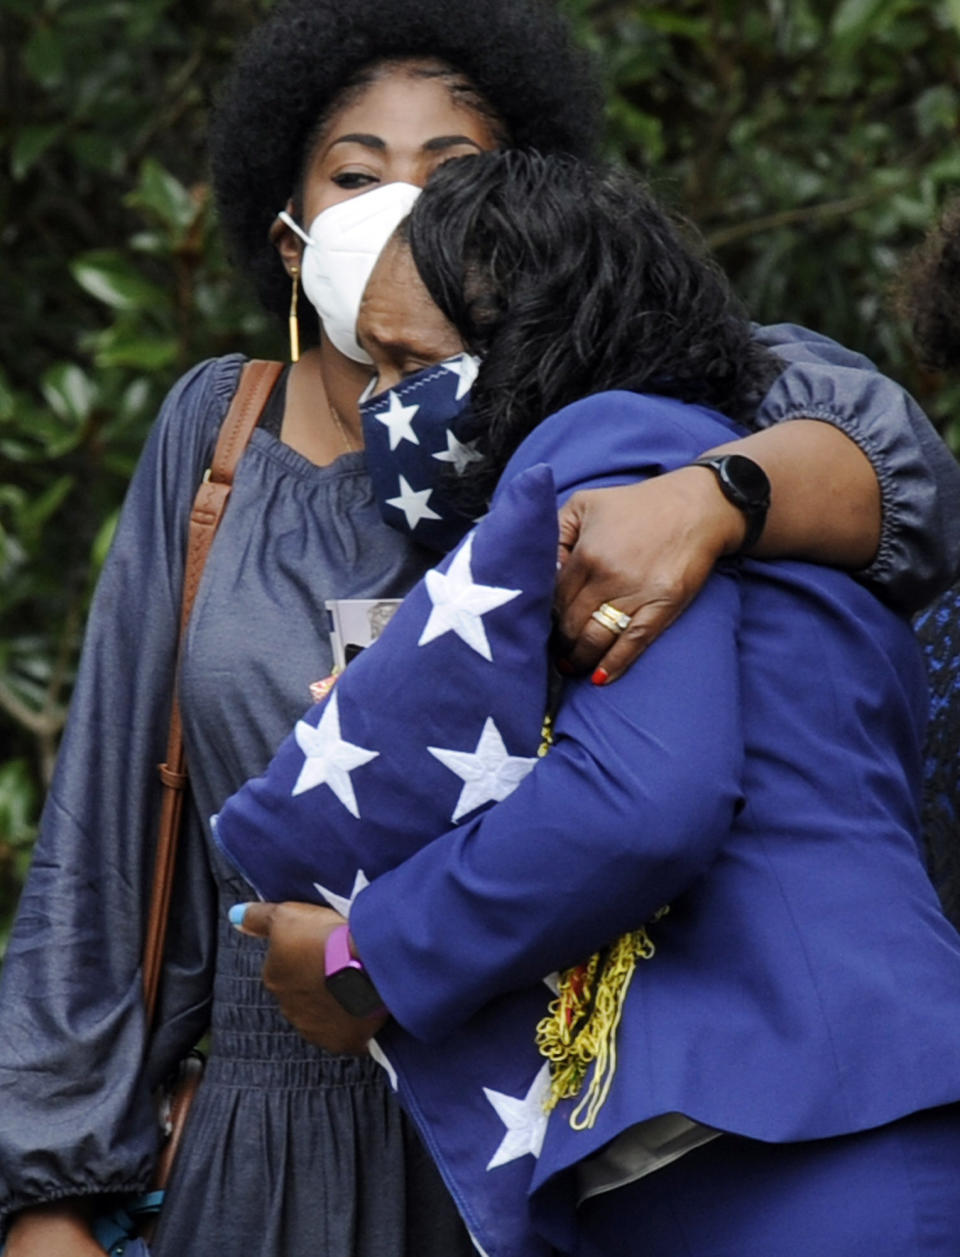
918, 552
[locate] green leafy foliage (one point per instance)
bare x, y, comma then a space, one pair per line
812, 143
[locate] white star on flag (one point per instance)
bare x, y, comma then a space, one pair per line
413, 503
460, 453
343, 903
329, 758
459, 604
488, 773
397, 420
524, 1119
380, 1056
466, 367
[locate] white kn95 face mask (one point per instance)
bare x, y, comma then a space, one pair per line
343, 245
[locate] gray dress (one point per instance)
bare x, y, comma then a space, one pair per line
289, 1151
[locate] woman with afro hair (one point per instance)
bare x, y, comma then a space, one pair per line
288, 1149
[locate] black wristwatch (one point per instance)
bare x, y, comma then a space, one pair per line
744, 483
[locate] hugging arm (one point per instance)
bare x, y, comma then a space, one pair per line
918, 551
859, 480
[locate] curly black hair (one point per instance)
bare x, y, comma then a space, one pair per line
928, 293
569, 279
517, 57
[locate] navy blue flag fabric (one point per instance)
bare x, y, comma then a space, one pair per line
435, 721
418, 438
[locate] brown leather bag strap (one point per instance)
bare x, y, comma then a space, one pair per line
255, 387
256, 384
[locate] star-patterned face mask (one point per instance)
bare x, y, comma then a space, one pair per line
419, 437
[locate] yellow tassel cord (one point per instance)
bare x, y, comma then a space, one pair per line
581, 1027
546, 736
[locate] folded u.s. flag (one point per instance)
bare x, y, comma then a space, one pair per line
437, 719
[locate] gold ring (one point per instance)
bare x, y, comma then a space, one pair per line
611, 617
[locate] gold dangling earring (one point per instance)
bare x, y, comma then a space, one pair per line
292, 321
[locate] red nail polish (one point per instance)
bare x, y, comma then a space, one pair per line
600, 677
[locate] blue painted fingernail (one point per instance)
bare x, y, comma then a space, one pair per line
236, 914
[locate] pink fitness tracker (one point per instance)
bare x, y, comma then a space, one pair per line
347, 980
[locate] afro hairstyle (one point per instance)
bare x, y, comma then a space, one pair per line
517, 54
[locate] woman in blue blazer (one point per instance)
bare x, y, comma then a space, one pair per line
786, 1075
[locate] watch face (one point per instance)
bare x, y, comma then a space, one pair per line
747, 479
354, 992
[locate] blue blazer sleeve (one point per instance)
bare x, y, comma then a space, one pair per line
75, 1111
627, 809
919, 552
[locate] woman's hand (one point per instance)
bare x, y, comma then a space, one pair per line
647, 549
56, 1230
293, 973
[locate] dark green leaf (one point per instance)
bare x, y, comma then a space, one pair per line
69, 392
18, 800
854, 19
33, 517
937, 110
142, 353
165, 197
30, 145
113, 279
103, 540
98, 152
44, 56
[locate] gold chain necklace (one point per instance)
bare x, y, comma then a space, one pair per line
341, 428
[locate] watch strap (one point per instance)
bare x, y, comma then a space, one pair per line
338, 954
347, 979
745, 485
